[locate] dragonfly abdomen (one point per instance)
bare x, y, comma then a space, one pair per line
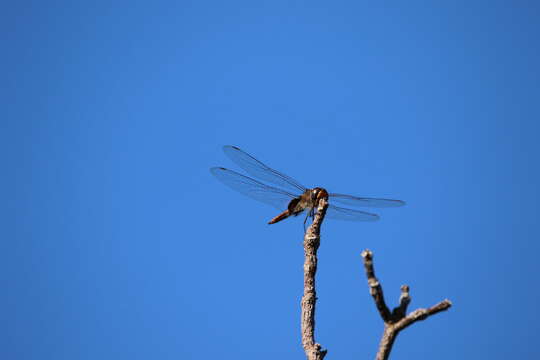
280, 217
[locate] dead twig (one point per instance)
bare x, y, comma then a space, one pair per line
395, 320
311, 244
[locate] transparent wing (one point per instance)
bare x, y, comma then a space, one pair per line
252, 188
339, 213
364, 202
259, 170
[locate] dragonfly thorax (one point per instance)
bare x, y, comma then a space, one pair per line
310, 198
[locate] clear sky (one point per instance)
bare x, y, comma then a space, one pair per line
119, 244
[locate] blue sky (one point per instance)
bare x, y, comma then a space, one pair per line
119, 244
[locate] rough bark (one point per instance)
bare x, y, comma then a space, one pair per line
395, 320
312, 349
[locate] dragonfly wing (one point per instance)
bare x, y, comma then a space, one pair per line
339, 213
259, 170
364, 202
252, 188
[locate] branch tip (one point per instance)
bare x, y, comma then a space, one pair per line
367, 254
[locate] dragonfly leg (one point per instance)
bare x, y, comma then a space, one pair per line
308, 214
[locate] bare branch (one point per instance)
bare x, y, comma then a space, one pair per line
375, 289
396, 320
311, 244
422, 314
404, 300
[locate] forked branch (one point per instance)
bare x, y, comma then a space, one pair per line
311, 244
395, 320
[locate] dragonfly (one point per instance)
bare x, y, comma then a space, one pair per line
286, 192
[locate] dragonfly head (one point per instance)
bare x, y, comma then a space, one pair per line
318, 194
